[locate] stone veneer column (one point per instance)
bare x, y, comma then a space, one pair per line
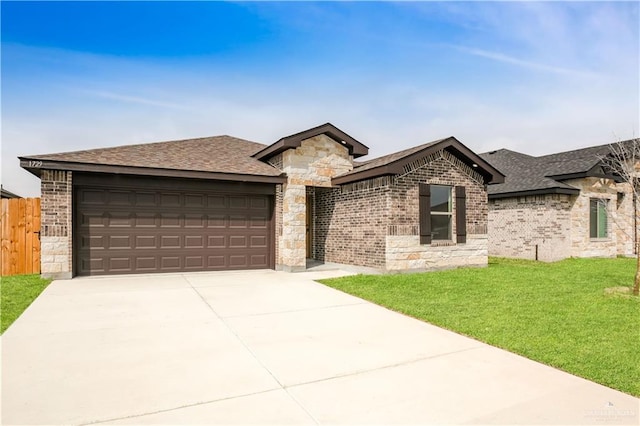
56, 230
293, 256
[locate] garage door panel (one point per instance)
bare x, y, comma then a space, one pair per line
170, 200
96, 242
238, 261
148, 263
238, 202
170, 242
194, 241
258, 241
237, 221
217, 202
259, 259
258, 222
195, 200
170, 220
194, 262
194, 221
119, 219
258, 203
91, 219
238, 241
120, 264
145, 199
217, 262
216, 241
93, 196
120, 198
168, 263
119, 242
141, 231
217, 221
145, 220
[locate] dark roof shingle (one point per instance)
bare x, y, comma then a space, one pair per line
218, 154
545, 174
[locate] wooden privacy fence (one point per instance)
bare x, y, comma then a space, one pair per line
20, 236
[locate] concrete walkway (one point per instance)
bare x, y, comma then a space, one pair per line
267, 348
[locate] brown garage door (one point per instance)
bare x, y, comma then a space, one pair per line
126, 230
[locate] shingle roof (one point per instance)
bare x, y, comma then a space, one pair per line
219, 154
393, 163
388, 159
545, 174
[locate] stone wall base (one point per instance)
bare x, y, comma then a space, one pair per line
406, 254
55, 257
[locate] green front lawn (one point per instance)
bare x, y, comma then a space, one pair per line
555, 313
16, 294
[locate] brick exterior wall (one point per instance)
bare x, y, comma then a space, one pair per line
439, 169
351, 224
375, 223
559, 224
56, 230
530, 227
403, 251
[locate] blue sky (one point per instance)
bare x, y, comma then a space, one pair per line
534, 77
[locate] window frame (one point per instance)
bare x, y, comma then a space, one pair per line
448, 213
458, 210
601, 206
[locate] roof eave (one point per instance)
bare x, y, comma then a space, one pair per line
488, 172
35, 166
542, 191
593, 172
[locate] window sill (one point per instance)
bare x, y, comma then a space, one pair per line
600, 240
442, 243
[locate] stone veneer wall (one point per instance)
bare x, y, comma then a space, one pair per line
520, 224
405, 253
351, 223
403, 249
313, 163
620, 224
56, 229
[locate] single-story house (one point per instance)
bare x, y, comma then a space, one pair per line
561, 205
220, 203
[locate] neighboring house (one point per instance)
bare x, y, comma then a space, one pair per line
559, 206
6, 194
222, 203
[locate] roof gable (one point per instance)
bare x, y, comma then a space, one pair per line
356, 149
393, 164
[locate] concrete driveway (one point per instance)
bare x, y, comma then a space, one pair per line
267, 348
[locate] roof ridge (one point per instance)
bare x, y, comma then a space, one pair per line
133, 145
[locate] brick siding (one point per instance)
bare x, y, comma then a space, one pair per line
56, 229
532, 227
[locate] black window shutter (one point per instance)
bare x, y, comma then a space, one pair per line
425, 213
461, 215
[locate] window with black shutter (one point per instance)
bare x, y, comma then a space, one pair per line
437, 215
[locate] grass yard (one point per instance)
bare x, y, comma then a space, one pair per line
555, 313
16, 294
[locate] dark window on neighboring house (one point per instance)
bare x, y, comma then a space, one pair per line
598, 218
436, 213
